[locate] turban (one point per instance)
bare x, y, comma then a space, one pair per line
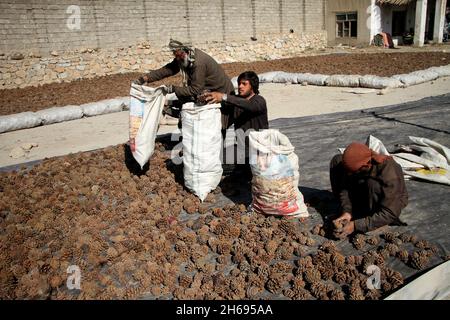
357, 155
178, 45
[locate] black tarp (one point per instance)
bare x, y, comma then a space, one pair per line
316, 139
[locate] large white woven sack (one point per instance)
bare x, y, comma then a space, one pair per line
146, 105
202, 146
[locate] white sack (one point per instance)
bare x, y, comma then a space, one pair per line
313, 79
146, 105
442, 71
275, 175
202, 146
432, 164
18, 121
60, 114
285, 77
339, 80
416, 77
376, 82
102, 107
267, 76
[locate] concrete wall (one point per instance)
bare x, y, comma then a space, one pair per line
342, 6
38, 45
41, 25
386, 18
410, 16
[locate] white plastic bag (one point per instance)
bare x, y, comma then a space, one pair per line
60, 114
416, 77
431, 164
408, 80
439, 148
313, 79
19, 121
426, 75
442, 71
432, 285
268, 76
376, 145
340, 80
146, 105
102, 107
202, 146
376, 82
285, 77
275, 175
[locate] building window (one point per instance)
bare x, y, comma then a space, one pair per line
346, 25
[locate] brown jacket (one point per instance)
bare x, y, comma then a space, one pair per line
383, 193
204, 74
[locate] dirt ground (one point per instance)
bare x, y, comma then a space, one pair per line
140, 234
89, 90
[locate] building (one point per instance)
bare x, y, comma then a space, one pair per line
355, 22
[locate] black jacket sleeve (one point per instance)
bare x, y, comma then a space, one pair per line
257, 104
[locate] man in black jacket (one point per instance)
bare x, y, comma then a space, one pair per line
248, 112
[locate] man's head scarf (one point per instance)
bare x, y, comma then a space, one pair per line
357, 155
178, 45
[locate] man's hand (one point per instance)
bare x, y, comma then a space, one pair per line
345, 216
132, 145
142, 80
343, 226
166, 89
345, 231
213, 97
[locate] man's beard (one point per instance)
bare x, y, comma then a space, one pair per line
186, 62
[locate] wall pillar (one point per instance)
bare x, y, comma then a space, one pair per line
439, 20
421, 15
375, 20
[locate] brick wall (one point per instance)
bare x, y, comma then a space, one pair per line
41, 25
118, 36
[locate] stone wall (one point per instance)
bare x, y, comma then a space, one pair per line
43, 41
34, 69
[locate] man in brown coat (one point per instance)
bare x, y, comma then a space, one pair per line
200, 73
370, 187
